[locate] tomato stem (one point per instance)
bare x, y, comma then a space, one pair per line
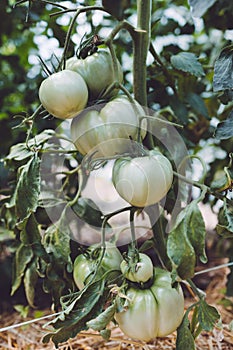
198, 293
132, 228
114, 61
204, 188
160, 244
79, 10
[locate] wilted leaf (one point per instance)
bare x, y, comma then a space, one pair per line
187, 62
102, 320
223, 70
87, 305
224, 129
30, 281
225, 221
28, 188
199, 7
23, 256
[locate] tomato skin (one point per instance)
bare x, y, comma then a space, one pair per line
63, 94
84, 267
153, 312
143, 269
107, 128
97, 71
143, 181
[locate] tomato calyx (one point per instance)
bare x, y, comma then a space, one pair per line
137, 268
141, 285
89, 46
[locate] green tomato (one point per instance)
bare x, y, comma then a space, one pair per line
107, 130
84, 266
153, 312
63, 94
143, 181
97, 71
141, 272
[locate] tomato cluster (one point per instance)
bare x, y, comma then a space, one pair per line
109, 124
152, 311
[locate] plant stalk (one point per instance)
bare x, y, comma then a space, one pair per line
141, 48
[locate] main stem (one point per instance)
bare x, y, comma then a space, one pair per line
141, 47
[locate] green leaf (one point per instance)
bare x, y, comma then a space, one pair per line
185, 340
56, 239
20, 152
181, 252
88, 211
56, 242
224, 129
105, 333
196, 231
207, 316
102, 320
22, 310
116, 8
223, 77
23, 257
225, 222
179, 108
199, 7
30, 235
186, 241
197, 104
28, 188
30, 281
188, 63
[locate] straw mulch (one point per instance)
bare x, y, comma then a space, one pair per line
29, 337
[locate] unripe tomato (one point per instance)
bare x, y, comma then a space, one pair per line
108, 128
85, 266
141, 272
63, 94
153, 312
143, 181
97, 71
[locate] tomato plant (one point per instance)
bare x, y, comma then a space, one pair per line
63, 94
85, 265
108, 130
97, 71
143, 110
143, 181
140, 272
153, 312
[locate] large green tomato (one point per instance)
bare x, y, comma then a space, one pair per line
141, 272
143, 181
97, 71
153, 312
84, 266
63, 94
107, 128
